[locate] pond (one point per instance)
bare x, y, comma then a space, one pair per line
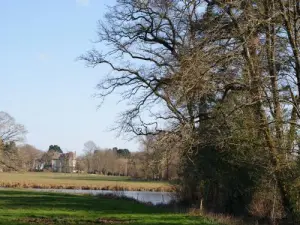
141, 196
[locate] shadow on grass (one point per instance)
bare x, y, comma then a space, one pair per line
40, 200
23, 207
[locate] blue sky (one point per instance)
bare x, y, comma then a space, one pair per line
42, 85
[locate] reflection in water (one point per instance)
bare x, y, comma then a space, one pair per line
142, 196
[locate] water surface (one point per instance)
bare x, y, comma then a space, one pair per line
142, 196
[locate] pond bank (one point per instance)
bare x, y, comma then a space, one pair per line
154, 198
116, 187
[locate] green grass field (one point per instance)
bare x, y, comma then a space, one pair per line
24, 208
78, 181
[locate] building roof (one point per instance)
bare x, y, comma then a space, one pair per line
67, 155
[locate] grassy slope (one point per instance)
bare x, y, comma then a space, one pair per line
74, 181
23, 207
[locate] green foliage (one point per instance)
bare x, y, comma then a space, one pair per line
55, 148
121, 152
224, 186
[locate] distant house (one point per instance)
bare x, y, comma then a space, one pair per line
58, 162
65, 163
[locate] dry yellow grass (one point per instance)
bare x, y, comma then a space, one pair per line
78, 181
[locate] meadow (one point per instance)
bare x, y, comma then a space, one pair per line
78, 181
24, 207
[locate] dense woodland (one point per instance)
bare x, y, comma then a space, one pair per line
217, 83
145, 164
213, 92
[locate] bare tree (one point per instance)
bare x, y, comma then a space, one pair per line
147, 42
219, 77
89, 148
10, 130
28, 156
10, 133
81, 164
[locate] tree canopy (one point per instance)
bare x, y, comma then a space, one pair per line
55, 148
10, 130
218, 82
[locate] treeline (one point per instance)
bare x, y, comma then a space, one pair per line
217, 83
16, 156
151, 163
19, 157
154, 162
103, 161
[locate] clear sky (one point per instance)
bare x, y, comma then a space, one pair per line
42, 85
